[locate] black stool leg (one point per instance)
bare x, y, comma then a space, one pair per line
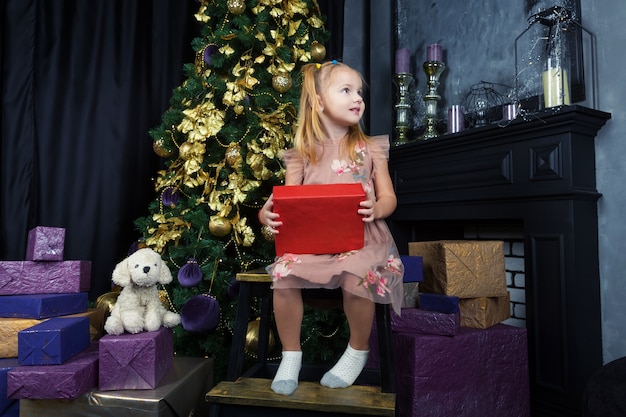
385, 348
235, 363
264, 329
259, 369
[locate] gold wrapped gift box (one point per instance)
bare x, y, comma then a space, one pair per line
462, 268
10, 327
484, 312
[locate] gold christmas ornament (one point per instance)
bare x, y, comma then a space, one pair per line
164, 298
318, 51
158, 146
252, 338
185, 150
281, 82
104, 305
269, 236
236, 6
233, 155
105, 302
219, 226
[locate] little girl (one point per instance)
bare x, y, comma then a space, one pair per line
330, 148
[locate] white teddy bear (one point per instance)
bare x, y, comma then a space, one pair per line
138, 306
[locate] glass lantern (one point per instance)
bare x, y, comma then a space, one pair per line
549, 65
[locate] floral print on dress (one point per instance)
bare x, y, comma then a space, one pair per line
282, 267
356, 166
339, 166
375, 282
394, 264
344, 255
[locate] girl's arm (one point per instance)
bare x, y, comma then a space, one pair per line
386, 201
267, 217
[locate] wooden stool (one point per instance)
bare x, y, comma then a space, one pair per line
248, 393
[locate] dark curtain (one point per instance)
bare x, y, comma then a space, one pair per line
82, 83
334, 12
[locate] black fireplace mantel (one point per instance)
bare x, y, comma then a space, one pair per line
537, 171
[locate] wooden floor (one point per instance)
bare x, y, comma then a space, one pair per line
310, 398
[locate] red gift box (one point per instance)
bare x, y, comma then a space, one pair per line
319, 218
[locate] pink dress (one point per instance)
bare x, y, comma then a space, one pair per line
375, 271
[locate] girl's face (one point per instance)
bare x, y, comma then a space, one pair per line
341, 101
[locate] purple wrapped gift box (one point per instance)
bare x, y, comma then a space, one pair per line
45, 244
5, 366
53, 341
477, 373
439, 302
69, 380
42, 306
29, 277
416, 320
135, 361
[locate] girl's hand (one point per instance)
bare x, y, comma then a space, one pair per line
268, 218
367, 210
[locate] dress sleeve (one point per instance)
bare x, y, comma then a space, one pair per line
380, 147
294, 165
379, 150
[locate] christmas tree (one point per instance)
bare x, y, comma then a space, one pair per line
221, 140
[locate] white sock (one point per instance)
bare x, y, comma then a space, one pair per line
347, 369
286, 380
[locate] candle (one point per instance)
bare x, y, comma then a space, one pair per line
403, 57
434, 53
456, 118
555, 87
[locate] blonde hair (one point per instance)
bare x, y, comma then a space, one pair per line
315, 77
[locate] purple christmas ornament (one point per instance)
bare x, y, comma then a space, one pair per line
208, 51
201, 313
170, 197
190, 274
134, 247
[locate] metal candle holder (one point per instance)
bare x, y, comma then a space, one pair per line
403, 82
433, 70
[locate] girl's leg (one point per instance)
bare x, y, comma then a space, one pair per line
360, 315
288, 312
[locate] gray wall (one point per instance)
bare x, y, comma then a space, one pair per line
478, 39
606, 19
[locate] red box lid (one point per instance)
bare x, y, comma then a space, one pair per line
319, 218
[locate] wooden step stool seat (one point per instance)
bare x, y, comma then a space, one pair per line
254, 397
248, 393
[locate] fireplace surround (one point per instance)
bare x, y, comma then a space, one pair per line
537, 172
